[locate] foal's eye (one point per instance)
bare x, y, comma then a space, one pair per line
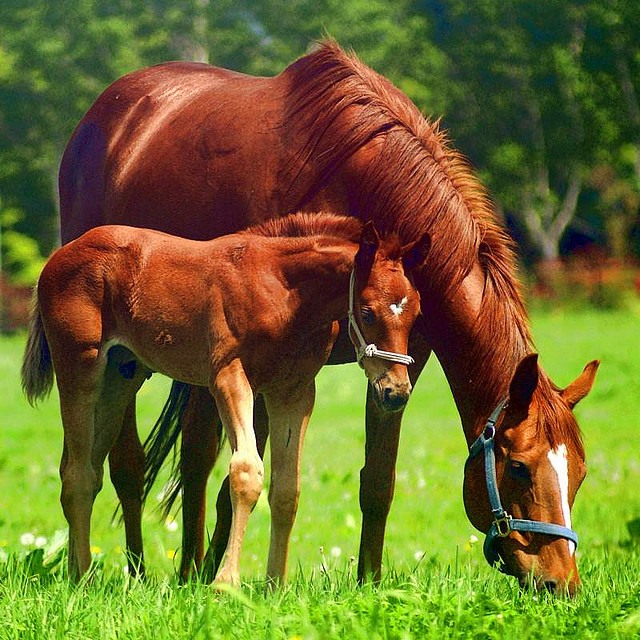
368, 317
519, 470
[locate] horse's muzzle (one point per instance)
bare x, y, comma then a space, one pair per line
555, 586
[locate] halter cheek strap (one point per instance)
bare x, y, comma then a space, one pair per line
362, 348
503, 524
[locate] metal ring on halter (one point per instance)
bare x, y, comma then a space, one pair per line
503, 524
369, 350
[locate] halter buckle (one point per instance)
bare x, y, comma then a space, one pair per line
503, 525
489, 432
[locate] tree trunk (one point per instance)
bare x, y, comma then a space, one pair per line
546, 222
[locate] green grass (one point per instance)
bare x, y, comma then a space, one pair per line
436, 584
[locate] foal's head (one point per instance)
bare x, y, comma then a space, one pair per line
538, 465
383, 306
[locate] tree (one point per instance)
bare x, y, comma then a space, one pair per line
543, 97
612, 58
524, 109
54, 59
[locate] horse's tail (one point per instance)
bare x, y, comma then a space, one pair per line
37, 367
162, 440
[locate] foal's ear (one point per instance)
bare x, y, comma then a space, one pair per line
415, 253
369, 243
523, 384
369, 236
581, 386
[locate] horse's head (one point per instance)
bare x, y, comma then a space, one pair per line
383, 306
522, 476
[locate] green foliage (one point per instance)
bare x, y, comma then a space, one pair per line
20, 256
538, 95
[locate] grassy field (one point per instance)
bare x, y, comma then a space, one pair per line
436, 581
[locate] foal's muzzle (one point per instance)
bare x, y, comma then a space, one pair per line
390, 397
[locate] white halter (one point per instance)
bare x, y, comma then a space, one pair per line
369, 350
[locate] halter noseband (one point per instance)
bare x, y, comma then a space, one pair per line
369, 350
503, 524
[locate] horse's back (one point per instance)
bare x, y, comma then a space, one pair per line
153, 148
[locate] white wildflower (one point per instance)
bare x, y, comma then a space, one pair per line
27, 539
170, 524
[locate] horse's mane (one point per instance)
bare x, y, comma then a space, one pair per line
423, 185
343, 105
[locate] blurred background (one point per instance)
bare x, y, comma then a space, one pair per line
542, 97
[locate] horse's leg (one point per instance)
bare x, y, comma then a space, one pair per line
234, 398
198, 454
220, 537
377, 477
288, 419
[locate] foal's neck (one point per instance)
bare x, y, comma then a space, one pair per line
320, 276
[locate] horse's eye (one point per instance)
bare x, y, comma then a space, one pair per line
519, 470
368, 317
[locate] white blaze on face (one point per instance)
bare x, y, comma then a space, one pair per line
558, 460
397, 309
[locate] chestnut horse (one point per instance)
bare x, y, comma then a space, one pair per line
245, 313
200, 151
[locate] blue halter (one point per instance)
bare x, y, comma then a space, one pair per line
503, 524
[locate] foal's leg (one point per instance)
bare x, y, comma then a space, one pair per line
78, 476
117, 418
234, 398
288, 418
198, 454
220, 537
377, 477
126, 468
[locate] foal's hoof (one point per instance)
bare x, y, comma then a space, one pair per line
226, 580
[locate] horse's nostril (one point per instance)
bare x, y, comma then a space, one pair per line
551, 585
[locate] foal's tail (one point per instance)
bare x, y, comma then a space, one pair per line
162, 440
37, 367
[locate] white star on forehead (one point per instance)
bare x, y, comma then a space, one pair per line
398, 308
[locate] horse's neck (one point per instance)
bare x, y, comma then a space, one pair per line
478, 353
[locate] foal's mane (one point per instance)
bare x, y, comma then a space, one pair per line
339, 106
322, 224
303, 225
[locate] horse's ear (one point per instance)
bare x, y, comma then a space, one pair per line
581, 386
415, 253
523, 384
369, 243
